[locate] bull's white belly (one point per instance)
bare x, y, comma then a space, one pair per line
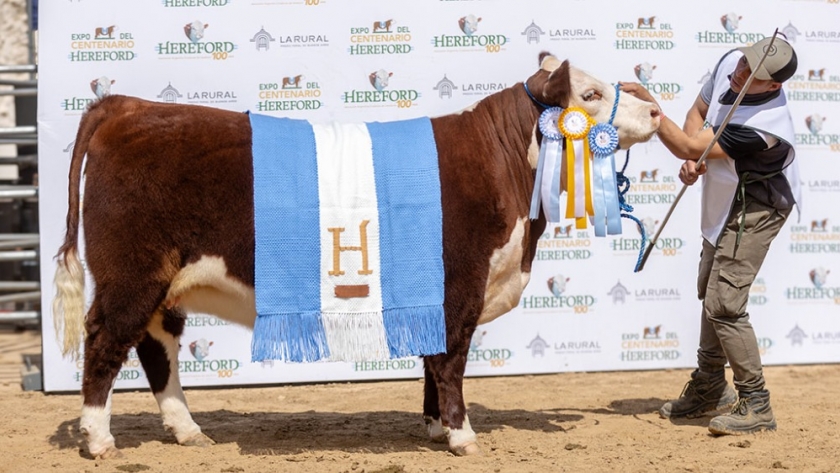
205, 287
506, 280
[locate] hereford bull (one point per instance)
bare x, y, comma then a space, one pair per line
169, 228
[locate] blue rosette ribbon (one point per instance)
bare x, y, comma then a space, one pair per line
603, 141
547, 184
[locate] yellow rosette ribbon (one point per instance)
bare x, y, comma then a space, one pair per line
574, 123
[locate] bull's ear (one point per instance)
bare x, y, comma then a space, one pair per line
558, 87
548, 62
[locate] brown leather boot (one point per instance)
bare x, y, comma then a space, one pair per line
705, 392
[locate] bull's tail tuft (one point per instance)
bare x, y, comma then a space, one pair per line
69, 303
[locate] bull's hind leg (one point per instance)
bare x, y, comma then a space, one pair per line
158, 352
114, 325
448, 372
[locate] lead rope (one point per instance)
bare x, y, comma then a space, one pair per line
624, 186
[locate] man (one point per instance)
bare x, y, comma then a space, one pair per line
749, 188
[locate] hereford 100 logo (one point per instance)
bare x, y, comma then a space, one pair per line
292, 93
101, 86
194, 3
379, 81
667, 246
817, 137
202, 364
664, 90
645, 33
480, 355
731, 35
820, 291
470, 39
560, 300
196, 47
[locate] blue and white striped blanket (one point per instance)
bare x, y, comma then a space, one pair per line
349, 253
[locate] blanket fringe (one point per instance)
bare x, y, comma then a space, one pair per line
355, 336
289, 337
415, 331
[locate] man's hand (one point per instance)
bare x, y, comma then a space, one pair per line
689, 172
637, 90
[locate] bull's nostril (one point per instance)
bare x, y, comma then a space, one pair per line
655, 112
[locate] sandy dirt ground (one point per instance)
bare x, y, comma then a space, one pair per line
575, 422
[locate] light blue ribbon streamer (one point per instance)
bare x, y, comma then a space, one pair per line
535, 196
553, 213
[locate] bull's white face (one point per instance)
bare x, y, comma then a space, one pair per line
635, 119
730, 22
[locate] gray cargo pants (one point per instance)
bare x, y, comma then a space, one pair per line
723, 284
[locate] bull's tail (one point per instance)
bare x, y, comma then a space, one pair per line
69, 302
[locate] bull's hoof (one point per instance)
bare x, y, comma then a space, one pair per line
468, 449
437, 432
109, 454
441, 438
199, 440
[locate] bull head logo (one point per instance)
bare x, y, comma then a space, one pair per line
195, 30
101, 86
200, 349
649, 225
469, 24
476, 339
819, 276
557, 284
644, 72
379, 79
814, 123
730, 21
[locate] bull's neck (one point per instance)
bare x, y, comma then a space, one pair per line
513, 116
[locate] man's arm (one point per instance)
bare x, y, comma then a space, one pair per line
696, 116
688, 144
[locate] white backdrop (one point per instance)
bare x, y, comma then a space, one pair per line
608, 318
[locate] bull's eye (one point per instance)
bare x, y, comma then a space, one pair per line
591, 95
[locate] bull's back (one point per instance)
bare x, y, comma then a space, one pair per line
166, 184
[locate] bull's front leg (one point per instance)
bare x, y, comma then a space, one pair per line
431, 407
448, 372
